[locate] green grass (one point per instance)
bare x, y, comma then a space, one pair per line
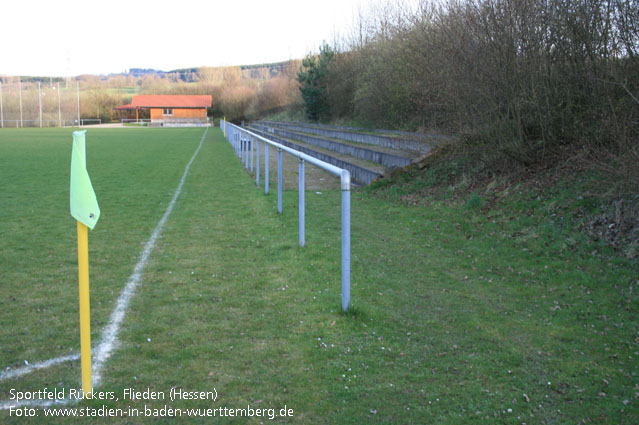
455, 316
134, 175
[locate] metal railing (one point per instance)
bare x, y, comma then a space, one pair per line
245, 143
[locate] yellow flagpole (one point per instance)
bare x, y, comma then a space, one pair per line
85, 315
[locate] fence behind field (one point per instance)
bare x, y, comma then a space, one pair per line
39, 104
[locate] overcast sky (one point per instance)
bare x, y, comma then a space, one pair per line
102, 37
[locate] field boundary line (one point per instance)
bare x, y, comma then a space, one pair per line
110, 333
109, 338
14, 373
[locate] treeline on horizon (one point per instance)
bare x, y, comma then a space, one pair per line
238, 92
518, 80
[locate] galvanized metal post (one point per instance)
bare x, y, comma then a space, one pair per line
257, 173
251, 140
59, 107
1, 111
301, 202
246, 151
279, 180
20, 90
266, 178
40, 100
77, 87
346, 239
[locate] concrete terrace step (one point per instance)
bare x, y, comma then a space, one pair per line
399, 152
383, 156
418, 143
373, 166
425, 137
364, 172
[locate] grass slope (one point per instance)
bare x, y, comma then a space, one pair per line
454, 320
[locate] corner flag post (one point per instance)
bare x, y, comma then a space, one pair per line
85, 209
85, 310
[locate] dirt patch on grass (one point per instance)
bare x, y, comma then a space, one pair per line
618, 225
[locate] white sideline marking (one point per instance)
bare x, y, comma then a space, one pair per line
14, 373
110, 332
38, 403
109, 339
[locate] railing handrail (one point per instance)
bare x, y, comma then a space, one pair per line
242, 141
342, 173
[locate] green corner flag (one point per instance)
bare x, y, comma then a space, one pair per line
84, 205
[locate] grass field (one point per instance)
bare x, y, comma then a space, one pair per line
455, 318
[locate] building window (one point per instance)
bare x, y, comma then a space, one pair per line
167, 111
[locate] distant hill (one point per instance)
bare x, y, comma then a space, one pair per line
186, 73
140, 72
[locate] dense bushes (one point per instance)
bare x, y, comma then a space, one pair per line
523, 77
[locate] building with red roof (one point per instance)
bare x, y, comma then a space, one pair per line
168, 109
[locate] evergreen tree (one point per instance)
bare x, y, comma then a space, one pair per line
313, 79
